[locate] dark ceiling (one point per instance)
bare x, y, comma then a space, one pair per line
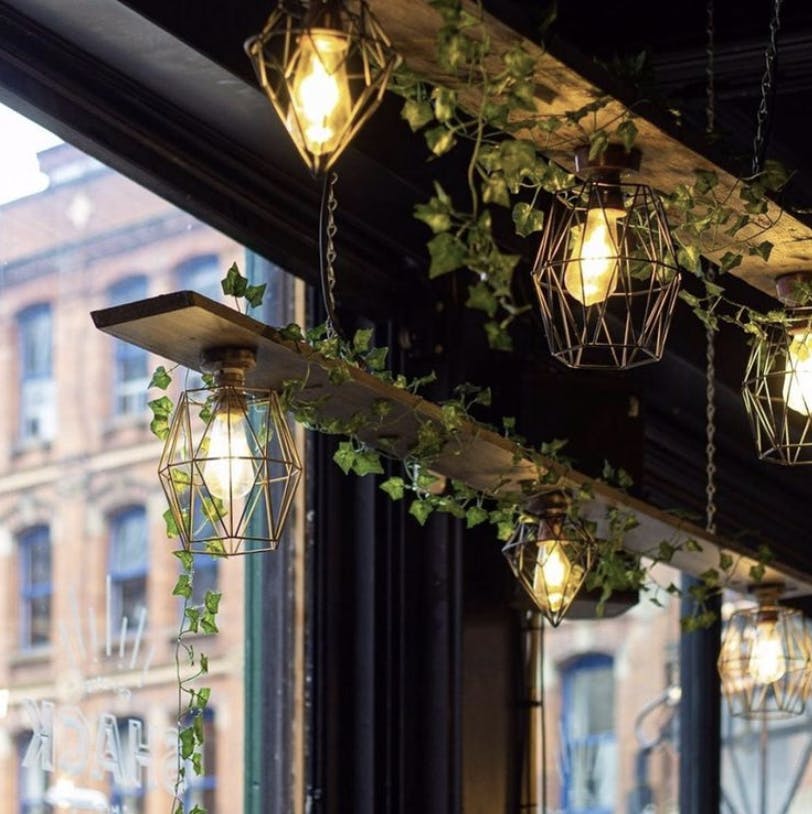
164, 92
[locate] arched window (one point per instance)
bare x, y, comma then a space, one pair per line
36, 589
589, 750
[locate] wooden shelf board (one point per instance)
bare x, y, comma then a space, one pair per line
667, 162
180, 326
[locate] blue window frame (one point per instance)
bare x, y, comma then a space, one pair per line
128, 565
32, 782
36, 589
206, 577
201, 274
127, 794
201, 788
131, 363
37, 402
589, 759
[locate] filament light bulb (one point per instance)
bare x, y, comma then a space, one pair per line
592, 272
767, 663
320, 97
229, 470
551, 575
798, 378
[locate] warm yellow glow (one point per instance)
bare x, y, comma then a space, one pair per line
320, 96
551, 575
592, 276
229, 470
798, 378
767, 663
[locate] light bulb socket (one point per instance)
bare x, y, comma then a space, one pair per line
794, 290
229, 365
767, 593
609, 164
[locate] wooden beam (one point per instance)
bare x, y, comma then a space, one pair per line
667, 162
180, 326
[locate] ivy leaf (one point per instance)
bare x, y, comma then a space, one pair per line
344, 456
183, 587
518, 63
474, 516
417, 112
160, 378
495, 190
627, 133
420, 510
361, 340
527, 219
763, 250
481, 297
254, 294
376, 358
440, 140
293, 332
193, 618
725, 561
161, 407
234, 284
665, 552
729, 261
367, 462
435, 214
212, 601
757, 572
207, 623
204, 663
598, 141
447, 254
498, 337
445, 103
186, 558
186, 736
394, 487
706, 180
523, 93
172, 530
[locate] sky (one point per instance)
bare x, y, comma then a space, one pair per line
21, 140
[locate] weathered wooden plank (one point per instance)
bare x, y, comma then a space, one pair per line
182, 325
667, 162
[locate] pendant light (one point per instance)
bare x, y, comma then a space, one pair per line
324, 68
606, 273
777, 388
764, 660
229, 466
550, 554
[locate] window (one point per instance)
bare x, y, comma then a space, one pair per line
129, 781
37, 404
206, 573
200, 788
131, 374
35, 587
588, 729
128, 566
31, 781
202, 274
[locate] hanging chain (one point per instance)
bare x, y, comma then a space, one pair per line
710, 92
710, 353
762, 118
710, 432
327, 233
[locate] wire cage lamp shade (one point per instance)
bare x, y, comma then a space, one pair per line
764, 662
324, 67
550, 554
777, 387
606, 272
229, 467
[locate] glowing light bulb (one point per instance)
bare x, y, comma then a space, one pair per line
551, 575
229, 470
798, 378
767, 663
320, 96
592, 272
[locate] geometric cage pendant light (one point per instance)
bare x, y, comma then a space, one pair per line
764, 660
777, 387
324, 68
606, 273
229, 467
550, 554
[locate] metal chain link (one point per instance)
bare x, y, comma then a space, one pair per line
762, 117
330, 256
710, 93
710, 352
710, 432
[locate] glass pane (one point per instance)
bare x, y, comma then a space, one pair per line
94, 708
612, 691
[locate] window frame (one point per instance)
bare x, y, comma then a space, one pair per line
129, 396
30, 591
117, 576
36, 387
